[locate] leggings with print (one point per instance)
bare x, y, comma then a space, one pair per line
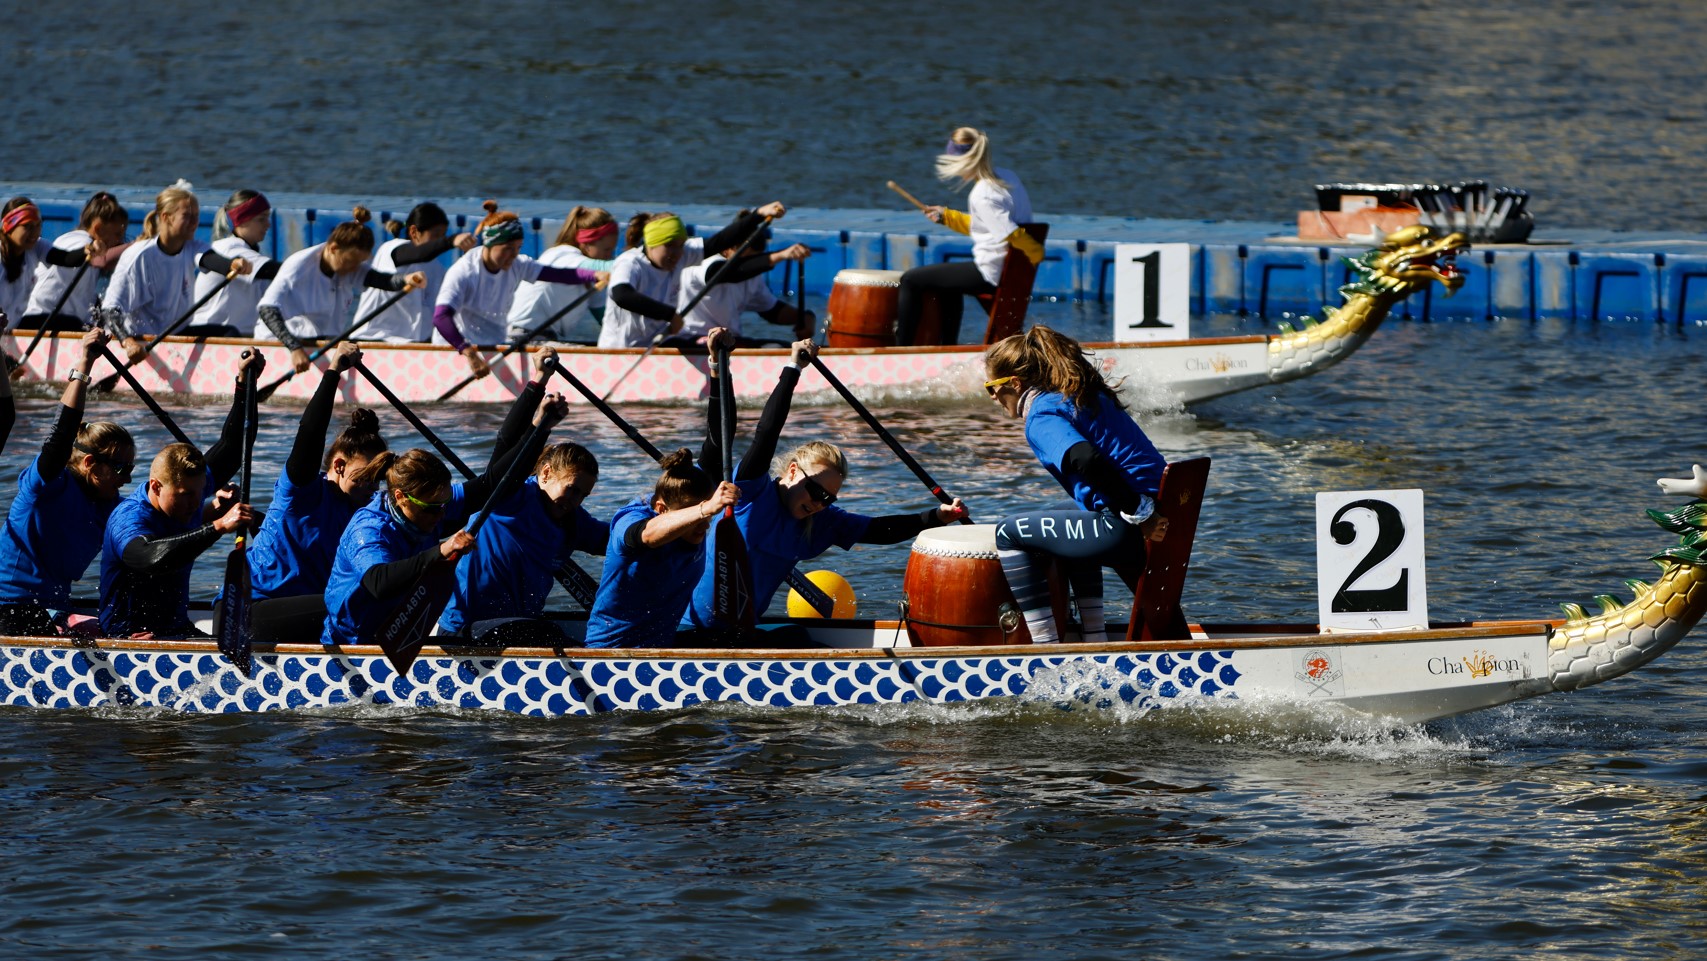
1084, 541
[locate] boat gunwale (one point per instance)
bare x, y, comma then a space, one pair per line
1277, 641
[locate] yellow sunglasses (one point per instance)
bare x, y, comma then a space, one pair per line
992, 387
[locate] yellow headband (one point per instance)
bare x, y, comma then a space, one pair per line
664, 230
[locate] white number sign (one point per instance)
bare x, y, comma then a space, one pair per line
1370, 574
1152, 292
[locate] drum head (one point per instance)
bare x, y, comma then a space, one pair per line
857, 277
957, 540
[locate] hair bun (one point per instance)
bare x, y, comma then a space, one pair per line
361, 215
363, 419
674, 461
490, 206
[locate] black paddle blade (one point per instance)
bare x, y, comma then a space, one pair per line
233, 630
732, 576
401, 637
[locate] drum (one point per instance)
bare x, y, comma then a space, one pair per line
863, 307
955, 594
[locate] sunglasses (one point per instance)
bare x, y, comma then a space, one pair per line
816, 491
121, 470
994, 387
425, 505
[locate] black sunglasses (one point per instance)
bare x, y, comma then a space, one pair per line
122, 471
816, 490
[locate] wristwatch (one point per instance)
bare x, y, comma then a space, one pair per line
76, 375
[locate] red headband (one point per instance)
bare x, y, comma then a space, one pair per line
27, 214
593, 235
247, 210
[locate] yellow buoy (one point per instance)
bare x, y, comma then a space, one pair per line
830, 583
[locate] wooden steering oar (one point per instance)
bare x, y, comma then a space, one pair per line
106, 383
406, 629
528, 338
820, 601
576, 581
391, 301
234, 638
685, 311
887, 438
910, 198
76, 279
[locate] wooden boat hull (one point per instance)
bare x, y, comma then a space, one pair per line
1191, 370
1401, 677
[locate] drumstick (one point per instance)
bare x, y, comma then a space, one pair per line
910, 198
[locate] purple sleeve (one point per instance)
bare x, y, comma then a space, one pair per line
567, 275
444, 321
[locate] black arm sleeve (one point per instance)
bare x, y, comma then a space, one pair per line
899, 527
389, 580
518, 421
66, 258
226, 454
168, 553
215, 263
737, 231
1104, 476
8, 415
308, 451
56, 450
724, 272
477, 492
757, 461
268, 270
629, 299
380, 280
711, 449
408, 253
275, 321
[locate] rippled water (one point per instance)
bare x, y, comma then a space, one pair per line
1569, 827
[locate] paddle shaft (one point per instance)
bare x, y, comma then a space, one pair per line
732, 572
685, 311
234, 639
813, 593
47, 321
910, 198
267, 391
887, 438
147, 398
574, 580
527, 339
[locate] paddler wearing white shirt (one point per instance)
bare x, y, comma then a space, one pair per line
738, 287
425, 238
154, 282
588, 240
473, 306
99, 241
996, 207
238, 230
645, 283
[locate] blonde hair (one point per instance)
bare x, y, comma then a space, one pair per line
165, 202
103, 438
413, 472
177, 463
974, 164
579, 219
1049, 361
817, 455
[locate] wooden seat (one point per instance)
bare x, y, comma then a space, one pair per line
1156, 614
1007, 305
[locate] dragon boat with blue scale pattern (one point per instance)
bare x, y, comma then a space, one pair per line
1403, 676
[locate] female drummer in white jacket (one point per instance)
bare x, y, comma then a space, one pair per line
996, 207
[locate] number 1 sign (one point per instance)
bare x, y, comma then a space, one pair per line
1152, 292
1370, 574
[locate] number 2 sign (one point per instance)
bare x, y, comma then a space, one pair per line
1370, 574
1152, 292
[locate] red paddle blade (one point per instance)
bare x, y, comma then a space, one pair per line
403, 634
732, 576
233, 630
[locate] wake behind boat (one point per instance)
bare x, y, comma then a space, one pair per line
1404, 676
1193, 370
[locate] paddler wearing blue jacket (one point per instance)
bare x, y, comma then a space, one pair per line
502, 587
1083, 436
392, 540
792, 516
290, 560
654, 556
55, 523
154, 536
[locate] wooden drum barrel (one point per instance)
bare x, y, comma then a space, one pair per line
956, 594
863, 308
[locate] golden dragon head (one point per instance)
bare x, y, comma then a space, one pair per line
1409, 260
